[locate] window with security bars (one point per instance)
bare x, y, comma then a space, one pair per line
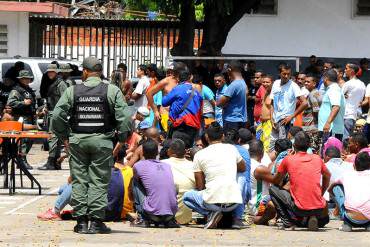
361, 7
3, 40
265, 7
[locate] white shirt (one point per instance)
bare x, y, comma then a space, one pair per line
354, 89
183, 174
305, 91
219, 162
141, 87
253, 210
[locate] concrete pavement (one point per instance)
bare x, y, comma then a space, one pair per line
20, 227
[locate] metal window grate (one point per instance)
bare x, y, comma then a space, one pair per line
3, 40
362, 7
266, 7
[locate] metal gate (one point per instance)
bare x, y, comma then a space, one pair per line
113, 41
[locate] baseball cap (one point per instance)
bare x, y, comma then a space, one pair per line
92, 64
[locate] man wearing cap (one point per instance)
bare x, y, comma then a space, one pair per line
65, 74
95, 109
54, 93
22, 100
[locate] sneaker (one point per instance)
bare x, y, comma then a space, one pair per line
171, 224
140, 223
238, 224
212, 220
49, 215
367, 229
345, 228
313, 224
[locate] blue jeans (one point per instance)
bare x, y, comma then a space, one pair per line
339, 198
245, 191
193, 199
65, 193
349, 124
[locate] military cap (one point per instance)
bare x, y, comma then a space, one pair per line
52, 68
25, 74
65, 68
92, 64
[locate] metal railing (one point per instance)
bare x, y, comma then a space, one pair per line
113, 41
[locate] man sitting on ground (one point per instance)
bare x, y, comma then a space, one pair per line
154, 189
260, 206
309, 178
357, 143
215, 171
352, 195
182, 170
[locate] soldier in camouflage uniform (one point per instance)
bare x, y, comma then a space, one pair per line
86, 118
22, 100
55, 91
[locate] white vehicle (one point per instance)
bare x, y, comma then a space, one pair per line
37, 66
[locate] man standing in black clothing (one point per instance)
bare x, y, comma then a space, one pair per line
13, 72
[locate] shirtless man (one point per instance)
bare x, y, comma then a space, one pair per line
165, 85
151, 133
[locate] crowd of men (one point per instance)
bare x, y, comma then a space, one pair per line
290, 151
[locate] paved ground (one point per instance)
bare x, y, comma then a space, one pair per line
20, 227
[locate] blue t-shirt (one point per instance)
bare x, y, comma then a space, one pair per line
246, 157
207, 93
333, 96
284, 99
236, 109
218, 115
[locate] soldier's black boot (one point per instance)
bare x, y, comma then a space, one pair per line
82, 225
97, 226
49, 165
25, 163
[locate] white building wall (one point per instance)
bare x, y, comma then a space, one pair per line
18, 32
325, 28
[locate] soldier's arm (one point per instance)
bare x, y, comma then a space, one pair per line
15, 101
62, 87
60, 125
121, 113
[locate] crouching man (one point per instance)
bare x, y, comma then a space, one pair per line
215, 170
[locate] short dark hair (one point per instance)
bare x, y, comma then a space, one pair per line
354, 67
150, 149
331, 75
284, 66
122, 66
235, 66
332, 152
163, 154
142, 67
231, 136
177, 146
362, 161
245, 135
364, 61
121, 155
214, 132
269, 76
219, 75
255, 148
294, 130
282, 145
301, 141
314, 77
360, 139
320, 62
197, 78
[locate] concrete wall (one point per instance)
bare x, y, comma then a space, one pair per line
18, 32
325, 28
